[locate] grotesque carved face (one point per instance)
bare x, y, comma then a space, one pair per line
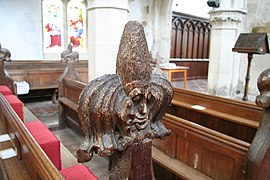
126, 113
140, 98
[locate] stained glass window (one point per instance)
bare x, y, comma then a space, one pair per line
76, 15
52, 25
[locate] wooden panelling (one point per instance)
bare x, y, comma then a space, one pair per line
197, 69
31, 161
208, 151
42, 74
69, 92
190, 36
213, 142
235, 118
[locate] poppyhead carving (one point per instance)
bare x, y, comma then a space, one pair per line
4, 54
263, 83
5, 79
117, 110
69, 55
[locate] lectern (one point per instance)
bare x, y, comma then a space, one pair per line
251, 43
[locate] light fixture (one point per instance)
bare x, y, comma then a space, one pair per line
213, 3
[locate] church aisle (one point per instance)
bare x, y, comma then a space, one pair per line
47, 112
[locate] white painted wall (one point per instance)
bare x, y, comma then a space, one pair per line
193, 7
255, 13
258, 16
21, 29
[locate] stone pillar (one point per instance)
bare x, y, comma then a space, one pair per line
224, 65
161, 28
106, 20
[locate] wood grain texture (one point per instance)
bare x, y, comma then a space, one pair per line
205, 150
232, 117
43, 74
35, 160
214, 142
197, 69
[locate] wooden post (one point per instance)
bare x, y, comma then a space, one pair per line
5, 79
245, 97
121, 113
251, 43
70, 58
259, 151
135, 163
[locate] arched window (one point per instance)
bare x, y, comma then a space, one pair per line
76, 23
52, 25
64, 22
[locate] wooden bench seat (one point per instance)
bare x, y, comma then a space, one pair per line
229, 116
212, 143
31, 161
12, 167
30, 154
177, 167
47, 141
5, 90
193, 145
218, 114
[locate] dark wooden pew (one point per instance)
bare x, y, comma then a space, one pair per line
204, 143
232, 117
42, 76
214, 140
69, 92
210, 152
31, 162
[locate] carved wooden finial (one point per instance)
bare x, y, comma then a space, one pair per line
4, 54
263, 83
69, 55
121, 113
133, 59
5, 79
259, 151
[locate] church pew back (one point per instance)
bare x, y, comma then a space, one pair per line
42, 74
68, 94
210, 152
31, 158
232, 117
201, 140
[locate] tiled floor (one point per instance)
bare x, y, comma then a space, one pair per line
45, 111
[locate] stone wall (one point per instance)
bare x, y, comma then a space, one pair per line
258, 15
21, 30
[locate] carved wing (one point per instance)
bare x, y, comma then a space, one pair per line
162, 92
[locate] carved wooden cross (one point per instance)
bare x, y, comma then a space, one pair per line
121, 113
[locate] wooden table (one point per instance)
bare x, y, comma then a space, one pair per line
177, 69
